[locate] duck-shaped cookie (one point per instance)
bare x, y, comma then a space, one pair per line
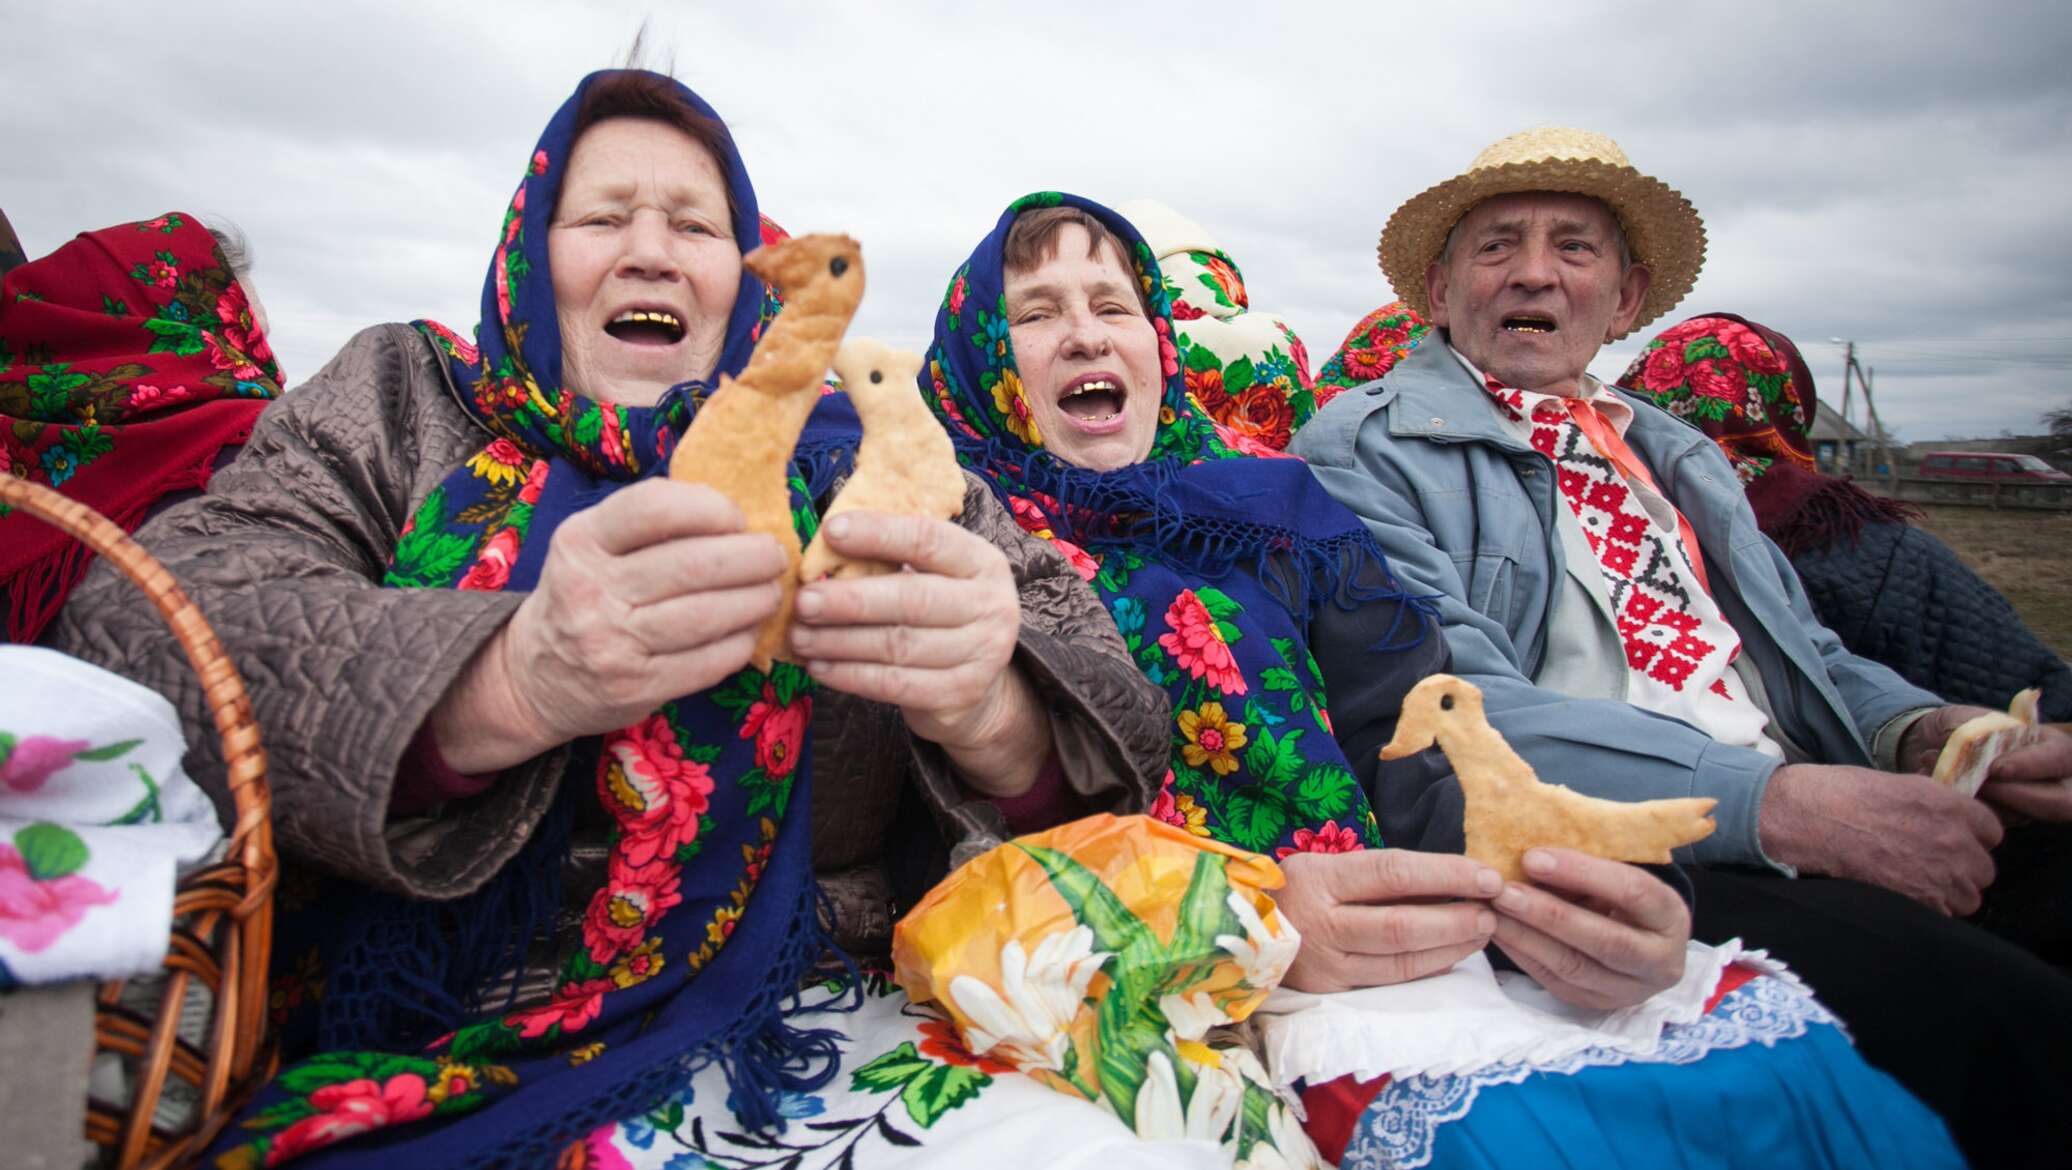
905, 463
742, 438
1510, 809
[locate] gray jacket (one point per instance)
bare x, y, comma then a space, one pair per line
1465, 511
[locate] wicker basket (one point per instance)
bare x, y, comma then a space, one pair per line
222, 913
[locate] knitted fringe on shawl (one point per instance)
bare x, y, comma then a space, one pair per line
1154, 514
1805, 512
399, 971
762, 1055
407, 970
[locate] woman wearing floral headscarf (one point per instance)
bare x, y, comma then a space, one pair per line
570, 837
130, 360
1891, 591
1224, 566
1371, 349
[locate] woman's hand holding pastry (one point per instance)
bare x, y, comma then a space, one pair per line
937, 642
1597, 934
654, 593
1380, 916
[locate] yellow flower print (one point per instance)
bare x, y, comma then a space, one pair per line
1211, 738
1008, 399
639, 965
1196, 816
454, 1080
497, 464
584, 1055
722, 924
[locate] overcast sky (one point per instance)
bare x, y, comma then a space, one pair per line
1893, 172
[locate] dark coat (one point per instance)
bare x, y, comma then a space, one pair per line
1898, 595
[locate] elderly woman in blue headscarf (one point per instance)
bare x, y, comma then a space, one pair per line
1254, 600
567, 836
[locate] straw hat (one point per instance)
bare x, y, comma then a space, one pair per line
1662, 228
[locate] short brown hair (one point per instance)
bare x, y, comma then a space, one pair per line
1033, 239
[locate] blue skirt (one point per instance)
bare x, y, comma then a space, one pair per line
1790, 1096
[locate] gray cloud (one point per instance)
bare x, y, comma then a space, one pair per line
1888, 172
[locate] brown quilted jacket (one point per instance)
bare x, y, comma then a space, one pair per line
284, 554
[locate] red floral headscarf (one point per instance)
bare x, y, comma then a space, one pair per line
1747, 387
128, 359
1372, 349
1742, 384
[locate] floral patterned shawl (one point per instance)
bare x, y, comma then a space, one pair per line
707, 797
1747, 387
1244, 365
1181, 547
128, 359
1372, 349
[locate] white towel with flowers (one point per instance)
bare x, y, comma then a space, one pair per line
1471, 1017
96, 818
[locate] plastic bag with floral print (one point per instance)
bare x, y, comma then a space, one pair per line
1105, 958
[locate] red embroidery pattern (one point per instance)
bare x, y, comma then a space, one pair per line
1658, 623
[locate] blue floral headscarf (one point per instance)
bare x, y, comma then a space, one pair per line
1211, 555
706, 795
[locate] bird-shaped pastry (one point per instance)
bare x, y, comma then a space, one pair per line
905, 463
1510, 809
1971, 749
742, 437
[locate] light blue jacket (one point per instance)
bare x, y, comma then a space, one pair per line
1465, 511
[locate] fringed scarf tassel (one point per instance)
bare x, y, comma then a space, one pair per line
404, 969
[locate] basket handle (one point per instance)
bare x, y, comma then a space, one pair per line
251, 836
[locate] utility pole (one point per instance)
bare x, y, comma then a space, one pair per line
1877, 428
1851, 370
1848, 368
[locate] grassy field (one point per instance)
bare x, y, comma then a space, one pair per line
2025, 555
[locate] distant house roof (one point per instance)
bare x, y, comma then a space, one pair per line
1829, 425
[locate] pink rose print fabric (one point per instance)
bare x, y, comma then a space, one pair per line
96, 819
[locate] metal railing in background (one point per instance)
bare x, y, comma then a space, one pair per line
1915, 489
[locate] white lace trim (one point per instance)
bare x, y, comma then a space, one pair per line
1398, 1128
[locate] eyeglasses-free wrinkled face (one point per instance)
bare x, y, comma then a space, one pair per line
1086, 354
1533, 286
645, 264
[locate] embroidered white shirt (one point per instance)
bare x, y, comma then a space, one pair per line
1679, 647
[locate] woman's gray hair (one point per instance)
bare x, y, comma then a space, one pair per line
232, 242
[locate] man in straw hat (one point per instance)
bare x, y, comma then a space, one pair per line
1601, 578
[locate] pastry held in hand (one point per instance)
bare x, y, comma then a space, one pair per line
905, 464
1510, 809
1971, 749
742, 438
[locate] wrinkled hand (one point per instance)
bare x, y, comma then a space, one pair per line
1597, 934
935, 641
1379, 916
1898, 830
2032, 779
652, 594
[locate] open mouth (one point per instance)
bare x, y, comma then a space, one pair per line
646, 327
1094, 398
1529, 323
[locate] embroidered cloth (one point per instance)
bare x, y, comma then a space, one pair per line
96, 818
1679, 646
